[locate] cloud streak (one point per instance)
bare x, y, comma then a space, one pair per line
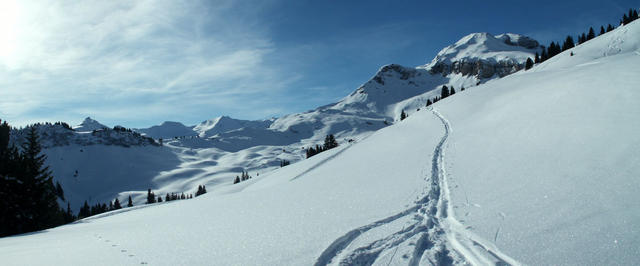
133, 61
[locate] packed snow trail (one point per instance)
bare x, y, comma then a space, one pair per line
430, 230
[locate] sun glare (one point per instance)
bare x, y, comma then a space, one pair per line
9, 15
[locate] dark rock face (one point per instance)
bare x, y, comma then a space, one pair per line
477, 67
522, 41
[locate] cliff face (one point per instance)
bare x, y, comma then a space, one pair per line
481, 68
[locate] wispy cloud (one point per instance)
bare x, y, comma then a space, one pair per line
131, 61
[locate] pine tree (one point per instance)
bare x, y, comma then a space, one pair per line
591, 34
429, 102
159, 199
130, 203
236, 181
529, 64
568, 43
602, 30
452, 91
544, 56
329, 142
609, 28
42, 209
151, 198
403, 115
444, 93
537, 58
85, 211
116, 204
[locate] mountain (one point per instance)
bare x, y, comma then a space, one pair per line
89, 124
168, 130
223, 124
216, 150
484, 55
539, 167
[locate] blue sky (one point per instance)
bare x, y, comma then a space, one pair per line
139, 63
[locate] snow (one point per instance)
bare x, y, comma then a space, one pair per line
223, 124
539, 167
488, 47
89, 125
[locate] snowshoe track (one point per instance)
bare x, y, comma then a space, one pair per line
436, 237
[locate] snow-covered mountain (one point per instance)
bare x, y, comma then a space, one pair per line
89, 125
539, 167
168, 130
484, 55
216, 150
223, 124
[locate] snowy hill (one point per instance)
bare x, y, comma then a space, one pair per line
539, 167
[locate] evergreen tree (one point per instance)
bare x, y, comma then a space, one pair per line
330, 142
403, 115
602, 30
116, 204
151, 198
429, 102
68, 215
529, 64
237, 180
537, 58
591, 34
159, 199
85, 211
453, 91
444, 93
568, 43
609, 28
544, 56
130, 203
42, 210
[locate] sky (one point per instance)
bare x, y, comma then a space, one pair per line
139, 63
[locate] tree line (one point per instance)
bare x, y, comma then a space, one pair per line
554, 48
29, 195
329, 143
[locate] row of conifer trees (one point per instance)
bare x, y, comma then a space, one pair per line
29, 195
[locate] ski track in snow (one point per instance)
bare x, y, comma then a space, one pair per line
436, 236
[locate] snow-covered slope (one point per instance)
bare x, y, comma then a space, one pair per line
223, 124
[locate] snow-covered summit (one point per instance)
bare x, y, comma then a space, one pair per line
89, 125
484, 55
212, 127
